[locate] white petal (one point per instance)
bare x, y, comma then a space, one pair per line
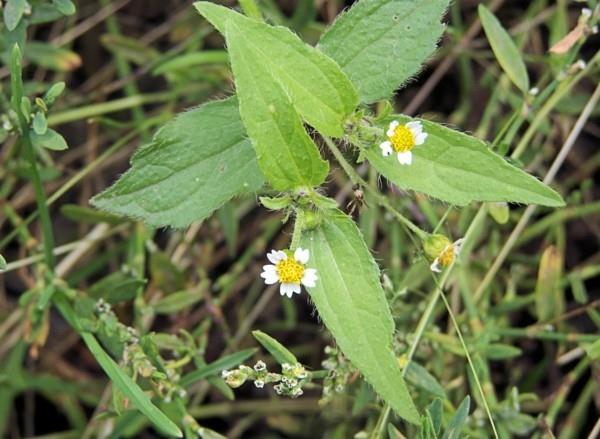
414, 125
301, 255
386, 148
289, 289
420, 138
309, 278
392, 128
270, 268
435, 266
405, 158
270, 276
458, 246
276, 255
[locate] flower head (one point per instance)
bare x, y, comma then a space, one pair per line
290, 270
402, 139
441, 251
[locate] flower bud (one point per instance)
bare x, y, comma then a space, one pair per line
434, 245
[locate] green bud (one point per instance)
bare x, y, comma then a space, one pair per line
434, 245
312, 219
235, 378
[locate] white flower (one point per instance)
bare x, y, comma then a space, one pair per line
402, 139
447, 256
259, 384
260, 366
290, 271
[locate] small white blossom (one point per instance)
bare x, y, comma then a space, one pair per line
447, 256
402, 138
259, 384
290, 271
260, 366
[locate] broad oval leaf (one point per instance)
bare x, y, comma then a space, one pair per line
504, 48
194, 164
380, 44
285, 152
352, 304
319, 90
459, 169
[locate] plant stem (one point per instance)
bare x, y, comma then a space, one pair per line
381, 199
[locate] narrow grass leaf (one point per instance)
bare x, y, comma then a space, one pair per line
280, 352
194, 164
218, 366
420, 377
504, 48
130, 389
457, 168
458, 421
549, 297
352, 304
318, 89
381, 44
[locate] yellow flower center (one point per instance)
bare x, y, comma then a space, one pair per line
447, 256
289, 271
402, 140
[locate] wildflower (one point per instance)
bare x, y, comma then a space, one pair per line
260, 366
289, 270
259, 384
402, 139
442, 251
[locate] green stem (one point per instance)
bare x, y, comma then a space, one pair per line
40, 196
381, 199
298, 227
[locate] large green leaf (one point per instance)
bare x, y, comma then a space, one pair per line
459, 169
504, 48
352, 304
286, 154
319, 90
194, 164
380, 44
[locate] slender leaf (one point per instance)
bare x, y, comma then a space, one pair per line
420, 377
549, 297
319, 90
13, 12
352, 304
2, 263
129, 388
286, 154
381, 44
178, 301
194, 164
504, 48
279, 351
458, 421
215, 367
459, 169
50, 140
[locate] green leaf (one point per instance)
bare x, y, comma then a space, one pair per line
420, 377
319, 90
66, 7
459, 419
504, 48
230, 224
117, 287
217, 366
13, 12
192, 60
50, 140
499, 351
178, 301
286, 154
125, 384
88, 215
39, 124
280, 352
2, 263
549, 296
352, 304
194, 164
380, 44
459, 169
54, 58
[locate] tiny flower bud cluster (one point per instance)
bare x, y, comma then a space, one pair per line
340, 373
290, 382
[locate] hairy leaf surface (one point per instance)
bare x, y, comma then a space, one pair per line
459, 169
352, 304
380, 44
194, 164
319, 90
